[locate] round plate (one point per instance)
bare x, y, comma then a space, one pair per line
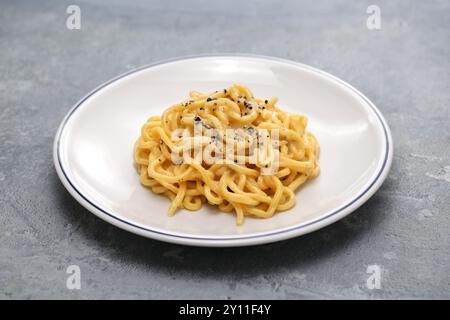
93, 150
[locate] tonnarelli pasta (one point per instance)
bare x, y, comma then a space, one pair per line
229, 149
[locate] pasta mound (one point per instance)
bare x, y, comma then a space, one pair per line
238, 152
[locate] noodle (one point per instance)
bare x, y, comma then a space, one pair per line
229, 149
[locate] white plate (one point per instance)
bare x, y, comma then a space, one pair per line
93, 151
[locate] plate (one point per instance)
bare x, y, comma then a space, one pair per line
93, 149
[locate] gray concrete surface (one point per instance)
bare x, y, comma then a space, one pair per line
404, 68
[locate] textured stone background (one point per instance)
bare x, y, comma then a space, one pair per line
404, 68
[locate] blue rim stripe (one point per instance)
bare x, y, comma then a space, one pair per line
223, 238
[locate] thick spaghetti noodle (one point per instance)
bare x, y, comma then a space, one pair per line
220, 137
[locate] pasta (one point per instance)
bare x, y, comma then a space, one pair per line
229, 149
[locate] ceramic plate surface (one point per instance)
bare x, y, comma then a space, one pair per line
93, 149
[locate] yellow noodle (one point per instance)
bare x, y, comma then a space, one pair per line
238, 184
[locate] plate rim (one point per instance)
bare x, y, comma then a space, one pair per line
228, 241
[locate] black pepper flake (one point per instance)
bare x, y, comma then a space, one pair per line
266, 102
209, 99
224, 90
197, 119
